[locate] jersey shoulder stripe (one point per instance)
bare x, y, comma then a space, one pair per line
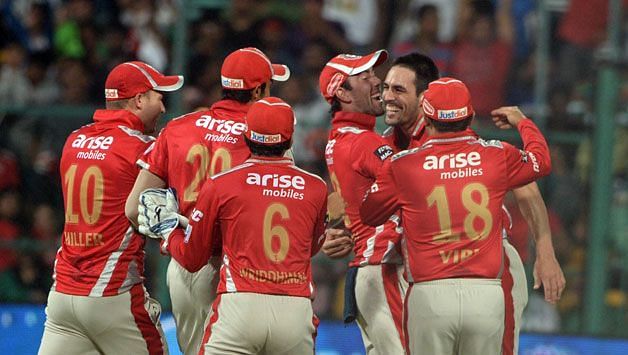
137, 134
234, 169
404, 153
488, 143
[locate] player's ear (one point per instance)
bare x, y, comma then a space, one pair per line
137, 101
343, 95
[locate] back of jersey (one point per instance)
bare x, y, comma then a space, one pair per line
271, 216
100, 254
198, 145
451, 192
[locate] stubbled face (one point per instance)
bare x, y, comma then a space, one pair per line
402, 102
365, 95
152, 108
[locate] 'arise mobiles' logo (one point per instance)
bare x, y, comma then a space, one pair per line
276, 180
221, 126
452, 161
98, 142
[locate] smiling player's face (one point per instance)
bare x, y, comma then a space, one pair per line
365, 95
400, 97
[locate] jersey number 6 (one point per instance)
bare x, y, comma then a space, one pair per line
272, 232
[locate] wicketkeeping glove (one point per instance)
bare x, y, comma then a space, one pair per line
158, 213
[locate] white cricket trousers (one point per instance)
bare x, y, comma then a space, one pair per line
454, 316
191, 295
256, 323
124, 324
515, 287
379, 292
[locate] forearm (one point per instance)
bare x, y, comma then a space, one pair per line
145, 180
536, 145
187, 255
534, 212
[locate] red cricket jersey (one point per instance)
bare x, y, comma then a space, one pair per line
100, 253
270, 216
197, 145
396, 138
450, 192
354, 155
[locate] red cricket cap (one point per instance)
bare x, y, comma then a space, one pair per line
131, 78
270, 121
342, 66
247, 68
447, 100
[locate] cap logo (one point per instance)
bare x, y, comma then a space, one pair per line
232, 83
334, 84
265, 138
349, 56
111, 93
452, 114
428, 108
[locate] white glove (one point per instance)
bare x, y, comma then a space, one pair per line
158, 213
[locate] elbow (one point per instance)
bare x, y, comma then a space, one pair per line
130, 211
546, 167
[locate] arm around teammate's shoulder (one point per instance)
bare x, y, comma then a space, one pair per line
381, 200
534, 161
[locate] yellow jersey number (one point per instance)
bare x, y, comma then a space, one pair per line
91, 184
220, 161
475, 210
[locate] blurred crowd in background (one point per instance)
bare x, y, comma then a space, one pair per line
58, 52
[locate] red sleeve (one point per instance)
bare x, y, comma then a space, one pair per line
156, 156
525, 166
381, 200
370, 152
193, 249
319, 229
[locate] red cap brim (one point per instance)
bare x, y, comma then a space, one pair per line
168, 83
280, 72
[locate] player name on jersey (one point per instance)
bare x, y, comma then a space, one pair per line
278, 277
80, 239
283, 186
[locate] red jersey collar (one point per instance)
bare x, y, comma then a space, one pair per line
230, 109
120, 118
270, 160
353, 119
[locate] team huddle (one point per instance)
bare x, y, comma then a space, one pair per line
421, 209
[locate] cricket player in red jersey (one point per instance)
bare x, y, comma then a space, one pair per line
403, 87
354, 155
98, 302
270, 217
449, 193
188, 150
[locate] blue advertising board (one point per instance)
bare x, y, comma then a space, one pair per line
21, 328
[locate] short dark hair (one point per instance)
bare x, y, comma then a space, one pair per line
457, 126
117, 104
335, 104
423, 67
242, 96
268, 150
